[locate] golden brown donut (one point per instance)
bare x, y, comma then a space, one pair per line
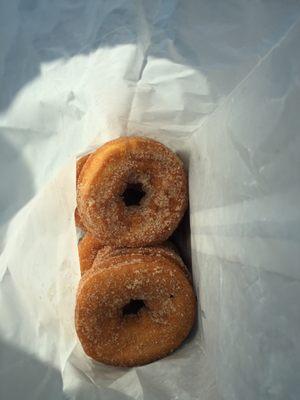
135, 311
78, 221
132, 192
88, 248
162, 250
79, 165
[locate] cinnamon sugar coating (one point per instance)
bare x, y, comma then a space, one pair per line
104, 178
90, 250
162, 250
79, 165
155, 330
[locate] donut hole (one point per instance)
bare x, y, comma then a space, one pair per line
133, 194
133, 307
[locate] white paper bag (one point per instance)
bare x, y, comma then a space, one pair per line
218, 82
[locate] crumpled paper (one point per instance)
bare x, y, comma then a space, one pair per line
218, 82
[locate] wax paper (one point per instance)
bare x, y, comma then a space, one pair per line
216, 81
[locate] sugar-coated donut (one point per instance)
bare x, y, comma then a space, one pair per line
132, 192
79, 165
161, 250
88, 248
135, 310
78, 221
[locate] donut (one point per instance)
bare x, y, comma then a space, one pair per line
78, 221
134, 311
162, 250
88, 248
132, 192
79, 165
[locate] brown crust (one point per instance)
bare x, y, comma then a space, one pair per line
103, 178
79, 165
88, 248
91, 251
78, 221
162, 250
156, 330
